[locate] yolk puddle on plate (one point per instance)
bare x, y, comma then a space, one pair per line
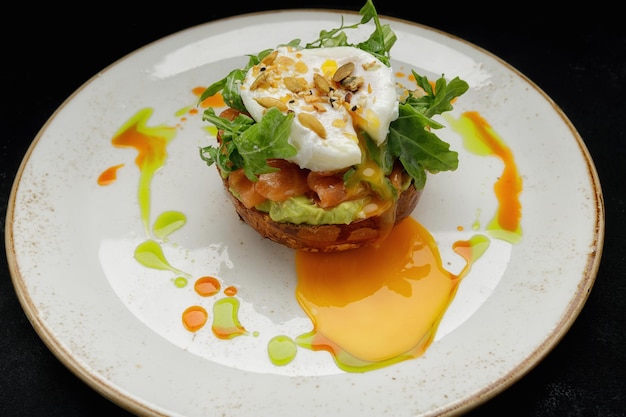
380, 304
369, 307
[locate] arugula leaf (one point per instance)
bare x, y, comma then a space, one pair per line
411, 139
382, 39
248, 145
437, 100
368, 11
417, 148
378, 44
267, 139
226, 156
379, 153
331, 38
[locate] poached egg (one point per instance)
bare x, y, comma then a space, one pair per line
332, 92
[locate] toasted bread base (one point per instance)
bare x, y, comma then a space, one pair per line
331, 237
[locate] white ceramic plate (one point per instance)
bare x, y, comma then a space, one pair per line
117, 325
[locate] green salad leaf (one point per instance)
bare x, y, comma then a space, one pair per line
248, 145
411, 138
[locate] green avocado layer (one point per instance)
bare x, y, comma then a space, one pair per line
301, 209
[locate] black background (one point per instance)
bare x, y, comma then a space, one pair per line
577, 56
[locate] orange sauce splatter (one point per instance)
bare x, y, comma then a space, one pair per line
207, 286
230, 291
216, 100
109, 175
197, 91
194, 318
480, 138
509, 185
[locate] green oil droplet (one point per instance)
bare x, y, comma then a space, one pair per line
226, 319
281, 350
167, 223
150, 255
180, 282
183, 111
211, 130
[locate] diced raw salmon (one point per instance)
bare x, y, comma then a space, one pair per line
245, 188
329, 188
288, 181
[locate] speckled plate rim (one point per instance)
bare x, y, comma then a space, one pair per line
141, 399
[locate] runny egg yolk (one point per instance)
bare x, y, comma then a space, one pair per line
329, 67
330, 112
377, 304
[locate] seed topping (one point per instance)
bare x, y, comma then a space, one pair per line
269, 102
343, 71
309, 121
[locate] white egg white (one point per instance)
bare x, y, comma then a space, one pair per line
375, 102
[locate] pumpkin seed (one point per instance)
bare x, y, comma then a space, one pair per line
343, 71
309, 121
321, 83
295, 85
269, 102
259, 81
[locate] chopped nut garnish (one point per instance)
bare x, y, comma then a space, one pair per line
311, 98
419, 92
370, 65
284, 60
269, 60
319, 107
352, 83
301, 67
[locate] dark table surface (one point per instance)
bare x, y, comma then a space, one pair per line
578, 58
